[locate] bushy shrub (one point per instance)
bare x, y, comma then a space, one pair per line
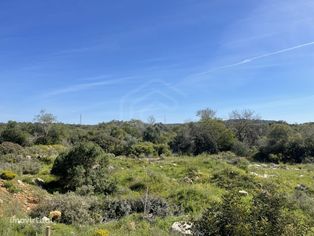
7, 175
240, 149
304, 201
189, 200
162, 149
206, 136
116, 209
101, 232
84, 165
8, 148
13, 133
283, 144
230, 178
31, 167
153, 206
143, 149
11, 187
75, 209
265, 214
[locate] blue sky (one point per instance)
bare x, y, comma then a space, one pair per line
132, 59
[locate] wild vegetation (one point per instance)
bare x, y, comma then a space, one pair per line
242, 176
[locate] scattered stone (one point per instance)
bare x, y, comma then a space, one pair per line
182, 228
188, 180
20, 182
243, 192
28, 157
264, 176
1, 201
111, 168
274, 166
233, 161
38, 181
301, 187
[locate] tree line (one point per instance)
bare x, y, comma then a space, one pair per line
244, 133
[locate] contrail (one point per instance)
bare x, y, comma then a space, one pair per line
277, 52
85, 86
248, 60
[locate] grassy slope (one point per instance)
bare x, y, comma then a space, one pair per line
171, 178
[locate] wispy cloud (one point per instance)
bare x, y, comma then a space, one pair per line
89, 48
85, 86
251, 59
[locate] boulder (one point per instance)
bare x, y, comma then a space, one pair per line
182, 228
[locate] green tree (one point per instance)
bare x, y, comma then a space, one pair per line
245, 125
206, 114
46, 130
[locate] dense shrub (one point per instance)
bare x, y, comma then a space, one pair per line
230, 178
84, 165
149, 205
152, 134
189, 200
240, 149
266, 214
227, 218
10, 148
101, 232
31, 167
206, 136
285, 145
13, 133
143, 149
162, 149
75, 209
303, 200
7, 175
114, 210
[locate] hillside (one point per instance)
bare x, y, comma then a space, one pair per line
187, 184
244, 176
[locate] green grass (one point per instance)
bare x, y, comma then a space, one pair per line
184, 181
